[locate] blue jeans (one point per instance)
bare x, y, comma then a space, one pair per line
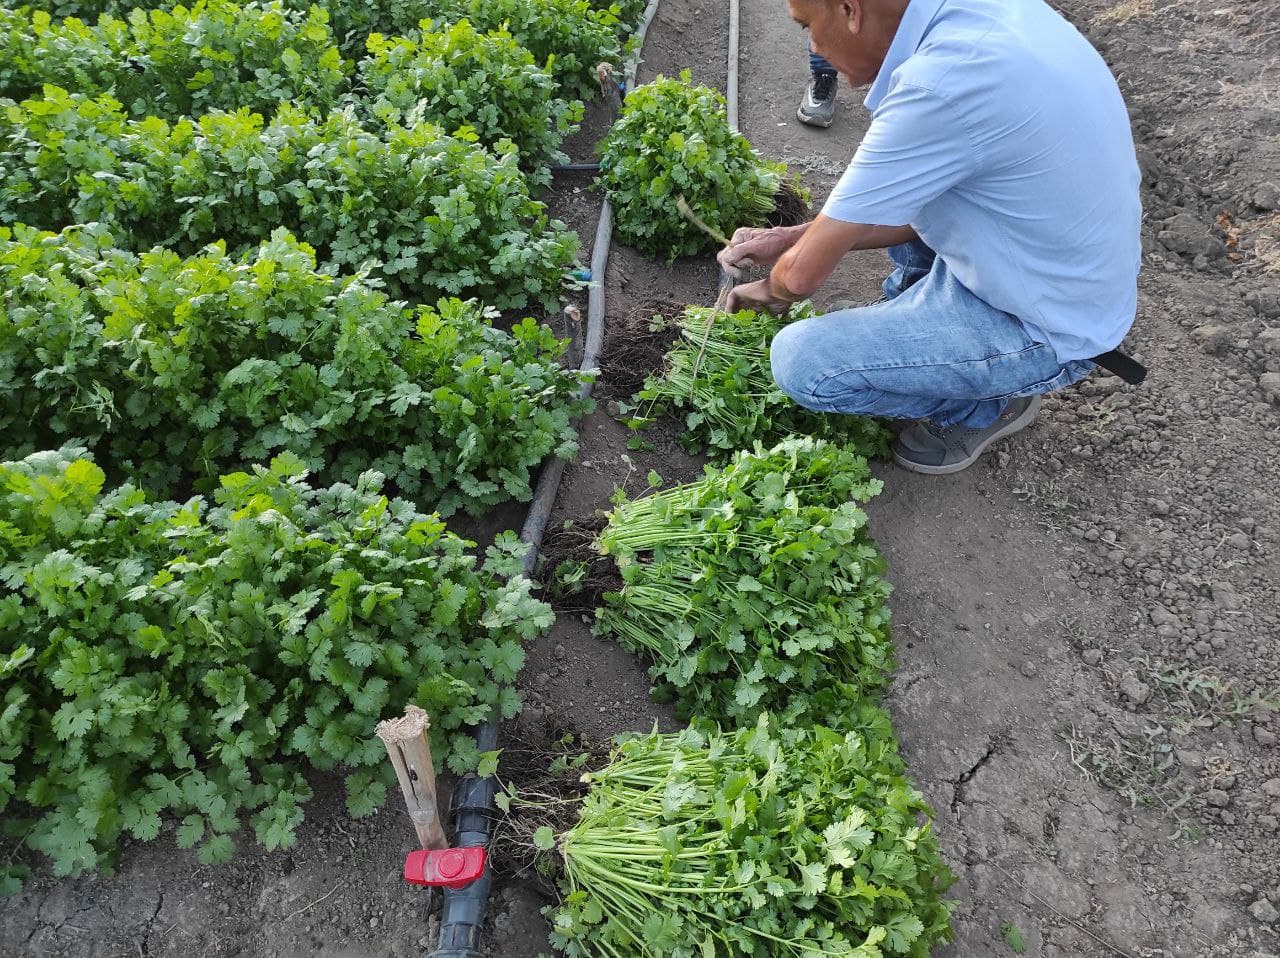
931, 350
818, 65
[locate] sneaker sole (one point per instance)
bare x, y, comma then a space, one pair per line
810, 121
1027, 417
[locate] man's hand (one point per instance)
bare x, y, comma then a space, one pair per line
759, 296
802, 258
757, 247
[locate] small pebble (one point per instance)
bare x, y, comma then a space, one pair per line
1264, 911
1134, 689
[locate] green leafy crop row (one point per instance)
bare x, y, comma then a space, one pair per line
172, 367
440, 216
480, 84
569, 37
352, 20
674, 140
762, 842
718, 378
756, 588
224, 55
215, 55
195, 659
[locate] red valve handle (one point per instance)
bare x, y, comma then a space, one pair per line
444, 867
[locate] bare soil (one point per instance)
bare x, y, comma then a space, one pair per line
1087, 621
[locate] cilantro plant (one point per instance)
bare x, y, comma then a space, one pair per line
217, 54
352, 20
763, 842
627, 12
567, 37
171, 368
673, 139
478, 84
355, 20
431, 215
755, 588
196, 659
732, 401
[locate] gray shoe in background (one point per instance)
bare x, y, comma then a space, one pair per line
818, 108
840, 305
938, 451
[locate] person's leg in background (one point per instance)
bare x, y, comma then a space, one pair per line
932, 352
818, 107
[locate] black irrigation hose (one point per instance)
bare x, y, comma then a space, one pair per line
462, 914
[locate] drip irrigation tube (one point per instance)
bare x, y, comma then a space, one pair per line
731, 77
462, 914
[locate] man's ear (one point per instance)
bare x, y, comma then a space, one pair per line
854, 14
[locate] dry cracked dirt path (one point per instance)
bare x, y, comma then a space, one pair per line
1087, 622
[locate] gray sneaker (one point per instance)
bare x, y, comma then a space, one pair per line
840, 305
936, 451
818, 108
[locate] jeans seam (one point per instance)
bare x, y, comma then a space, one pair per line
963, 362
815, 390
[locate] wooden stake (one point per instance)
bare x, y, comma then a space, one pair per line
609, 89
410, 752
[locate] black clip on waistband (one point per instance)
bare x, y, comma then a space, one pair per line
1123, 365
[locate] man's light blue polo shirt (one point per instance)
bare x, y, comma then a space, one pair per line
1000, 135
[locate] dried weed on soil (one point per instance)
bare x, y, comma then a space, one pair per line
574, 575
635, 347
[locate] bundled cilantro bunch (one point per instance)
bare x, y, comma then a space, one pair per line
479, 84
567, 37
674, 140
718, 378
174, 368
196, 659
756, 588
761, 842
217, 54
438, 216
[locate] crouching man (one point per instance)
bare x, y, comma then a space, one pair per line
999, 173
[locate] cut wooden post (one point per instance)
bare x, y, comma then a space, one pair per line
609, 89
410, 751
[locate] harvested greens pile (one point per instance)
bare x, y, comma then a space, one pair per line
781, 823
756, 587
674, 140
718, 379
756, 842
